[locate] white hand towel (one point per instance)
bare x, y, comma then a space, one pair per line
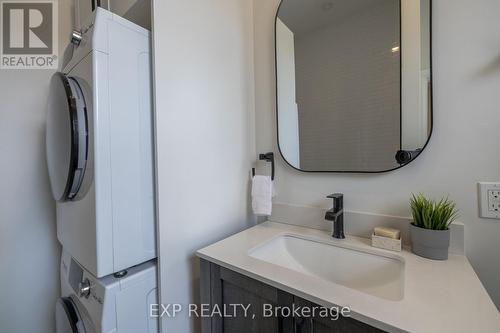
262, 195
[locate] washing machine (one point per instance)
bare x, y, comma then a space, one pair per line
118, 304
99, 143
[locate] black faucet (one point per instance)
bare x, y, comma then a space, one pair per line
336, 214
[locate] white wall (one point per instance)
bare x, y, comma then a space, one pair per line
120, 7
462, 151
29, 250
205, 135
137, 11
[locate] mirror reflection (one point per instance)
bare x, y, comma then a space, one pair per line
353, 83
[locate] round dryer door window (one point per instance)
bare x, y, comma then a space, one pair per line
68, 318
66, 137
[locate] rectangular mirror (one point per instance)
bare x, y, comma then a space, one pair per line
354, 83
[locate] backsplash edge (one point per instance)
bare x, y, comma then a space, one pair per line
359, 224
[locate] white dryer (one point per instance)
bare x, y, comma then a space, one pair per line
100, 147
106, 305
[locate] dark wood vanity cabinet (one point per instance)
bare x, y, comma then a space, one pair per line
227, 292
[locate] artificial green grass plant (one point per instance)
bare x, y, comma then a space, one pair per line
433, 215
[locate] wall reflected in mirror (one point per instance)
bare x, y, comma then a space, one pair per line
353, 83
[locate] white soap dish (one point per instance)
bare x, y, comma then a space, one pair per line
386, 243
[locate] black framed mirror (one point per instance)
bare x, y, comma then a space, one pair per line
353, 83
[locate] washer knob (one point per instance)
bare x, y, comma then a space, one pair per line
76, 37
84, 288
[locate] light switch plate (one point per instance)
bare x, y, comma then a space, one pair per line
489, 200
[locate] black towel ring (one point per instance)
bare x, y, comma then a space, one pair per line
268, 157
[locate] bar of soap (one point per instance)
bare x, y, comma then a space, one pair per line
387, 232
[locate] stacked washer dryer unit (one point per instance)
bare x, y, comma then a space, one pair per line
100, 162
108, 304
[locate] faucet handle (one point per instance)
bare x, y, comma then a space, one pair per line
338, 200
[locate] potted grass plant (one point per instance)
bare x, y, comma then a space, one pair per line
430, 230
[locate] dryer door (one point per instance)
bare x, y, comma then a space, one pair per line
68, 318
66, 137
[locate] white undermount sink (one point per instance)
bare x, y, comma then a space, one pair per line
371, 273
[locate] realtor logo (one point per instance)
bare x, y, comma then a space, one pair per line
29, 35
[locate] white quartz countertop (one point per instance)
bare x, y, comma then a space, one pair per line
439, 296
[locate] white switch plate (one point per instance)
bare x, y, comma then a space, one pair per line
489, 200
